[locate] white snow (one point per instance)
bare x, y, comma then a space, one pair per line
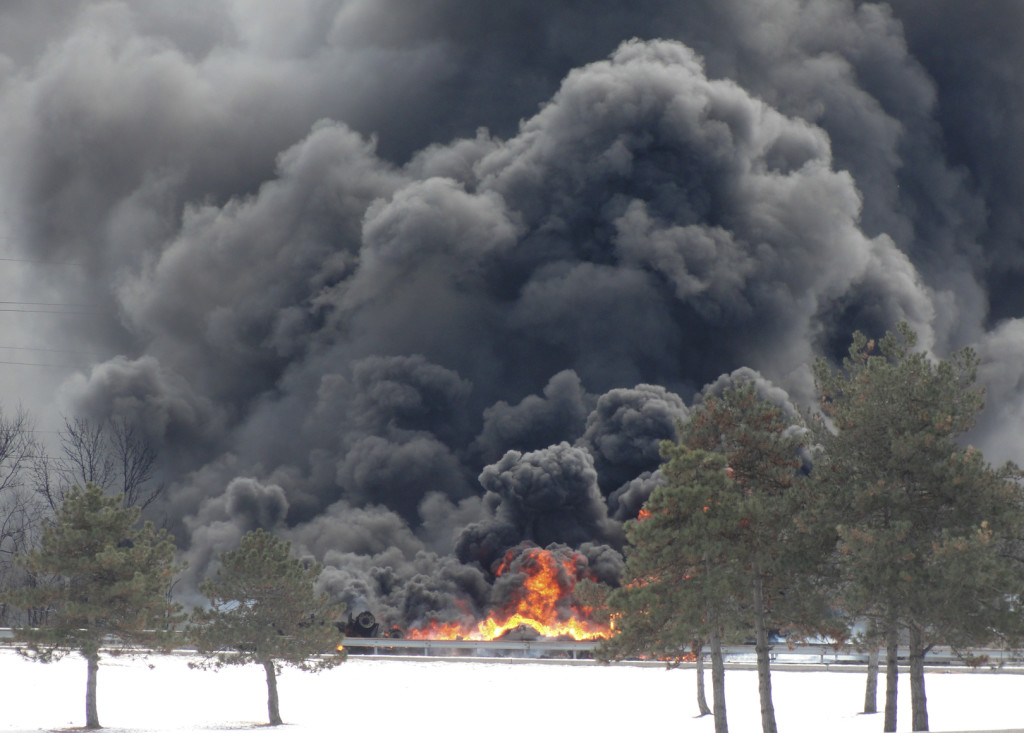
160, 693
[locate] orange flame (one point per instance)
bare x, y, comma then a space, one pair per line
544, 602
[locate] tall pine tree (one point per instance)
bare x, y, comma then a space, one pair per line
106, 582
679, 577
924, 520
748, 545
264, 610
778, 544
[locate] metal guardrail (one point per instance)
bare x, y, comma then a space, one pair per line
781, 654
426, 646
818, 654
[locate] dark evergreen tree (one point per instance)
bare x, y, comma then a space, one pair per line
264, 610
779, 540
679, 578
925, 521
104, 581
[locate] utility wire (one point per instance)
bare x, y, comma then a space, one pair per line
30, 261
41, 262
35, 302
37, 364
49, 312
41, 348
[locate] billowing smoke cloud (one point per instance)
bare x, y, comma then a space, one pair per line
535, 422
630, 497
410, 283
625, 430
220, 522
545, 496
766, 391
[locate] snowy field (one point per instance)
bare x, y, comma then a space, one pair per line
378, 694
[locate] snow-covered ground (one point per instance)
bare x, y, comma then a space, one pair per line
370, 694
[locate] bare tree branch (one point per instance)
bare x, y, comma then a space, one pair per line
85, 456
113, 454
137, 458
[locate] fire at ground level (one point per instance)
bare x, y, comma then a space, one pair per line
540, 603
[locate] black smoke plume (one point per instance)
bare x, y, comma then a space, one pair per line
412, 283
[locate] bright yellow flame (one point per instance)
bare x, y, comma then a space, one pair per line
537, 606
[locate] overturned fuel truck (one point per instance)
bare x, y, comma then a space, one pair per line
365, 626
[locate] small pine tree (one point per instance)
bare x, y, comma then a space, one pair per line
264, 610
106, 581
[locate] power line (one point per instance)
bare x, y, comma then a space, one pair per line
42, 348
29, 260
41, 262
38, 306
35, 364
50, 312
36, 302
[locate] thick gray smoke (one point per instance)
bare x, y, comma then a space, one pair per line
413, 283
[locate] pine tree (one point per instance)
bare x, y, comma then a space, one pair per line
925, 520
779, 541
108, 583
740, 544
678, 579
264, 610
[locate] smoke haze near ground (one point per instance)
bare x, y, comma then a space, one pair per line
410, 283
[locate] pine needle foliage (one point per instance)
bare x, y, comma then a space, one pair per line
679, 575
730, 546
264, 610
926, 526
105, 582
778, 547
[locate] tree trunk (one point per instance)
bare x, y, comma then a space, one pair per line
273, 710
918, 701
718, 682
764, 669
92, 718
892, 671
871, 689
702, 701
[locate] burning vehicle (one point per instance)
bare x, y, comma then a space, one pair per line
534, 598
366, 626
540, 599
